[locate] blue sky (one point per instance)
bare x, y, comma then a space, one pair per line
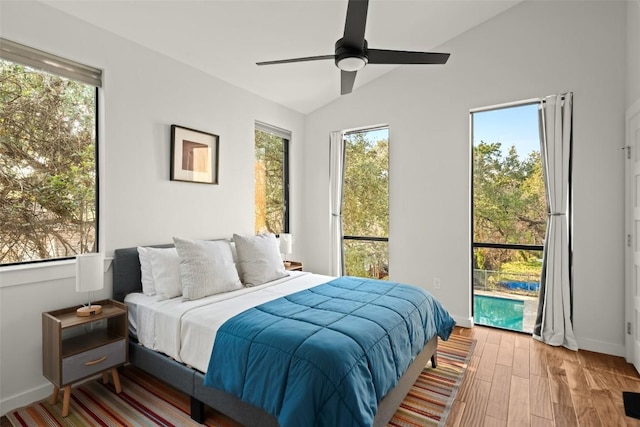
517, 126
376, 135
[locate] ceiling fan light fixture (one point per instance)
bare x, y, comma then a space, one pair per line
351, 63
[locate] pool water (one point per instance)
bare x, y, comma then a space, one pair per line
498, 312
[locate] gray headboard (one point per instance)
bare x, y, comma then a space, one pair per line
126, 271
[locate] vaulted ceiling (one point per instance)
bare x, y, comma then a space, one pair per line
226, 38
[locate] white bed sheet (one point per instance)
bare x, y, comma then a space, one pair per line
186, 330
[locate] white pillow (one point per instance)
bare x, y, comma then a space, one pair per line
259, 259
234, 252
148, 286
206, 268
165, 270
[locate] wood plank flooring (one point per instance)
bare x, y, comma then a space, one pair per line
514, 380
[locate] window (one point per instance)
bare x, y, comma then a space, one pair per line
271, 179
48, 156
509, 216
365, 208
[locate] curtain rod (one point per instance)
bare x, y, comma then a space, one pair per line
513, 104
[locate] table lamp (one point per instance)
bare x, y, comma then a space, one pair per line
286, 243
89, 277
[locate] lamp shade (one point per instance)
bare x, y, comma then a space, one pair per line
89, 272
286, 243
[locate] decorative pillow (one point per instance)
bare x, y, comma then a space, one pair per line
148, 287
259, 259
165, 269
234, 253
206, 268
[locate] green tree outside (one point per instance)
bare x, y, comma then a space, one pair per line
509, 207
47, 165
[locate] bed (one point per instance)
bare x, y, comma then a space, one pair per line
186, 372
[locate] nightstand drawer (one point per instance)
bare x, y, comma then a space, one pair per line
93, 361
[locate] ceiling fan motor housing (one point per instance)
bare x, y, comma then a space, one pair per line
350, 58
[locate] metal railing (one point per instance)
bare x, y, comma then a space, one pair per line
507, 288
500, 281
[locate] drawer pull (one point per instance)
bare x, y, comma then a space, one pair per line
95, 362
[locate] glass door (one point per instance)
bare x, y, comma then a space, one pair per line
509, 216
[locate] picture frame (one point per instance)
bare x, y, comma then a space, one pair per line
194, 155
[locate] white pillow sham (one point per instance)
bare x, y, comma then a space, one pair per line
206, 268
160, 268
259, 259
148, 287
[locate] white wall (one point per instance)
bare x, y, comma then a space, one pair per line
633, 51
143, 94
532, 50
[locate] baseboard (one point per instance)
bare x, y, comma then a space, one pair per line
464, 322
25, 398
601, 347
583, 344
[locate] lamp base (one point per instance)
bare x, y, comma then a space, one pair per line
87, 311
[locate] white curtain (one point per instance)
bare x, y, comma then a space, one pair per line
336, 181
553, 321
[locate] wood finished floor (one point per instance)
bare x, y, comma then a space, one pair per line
513, 380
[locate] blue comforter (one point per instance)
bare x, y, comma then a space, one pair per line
327, 355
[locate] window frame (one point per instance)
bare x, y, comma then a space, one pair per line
285, 184
353, 238
491, 245
55, 65
285, 135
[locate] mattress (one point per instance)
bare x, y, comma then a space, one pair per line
186, 330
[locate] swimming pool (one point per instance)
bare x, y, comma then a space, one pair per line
499, 312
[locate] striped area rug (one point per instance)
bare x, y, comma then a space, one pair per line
147, 401
429, 400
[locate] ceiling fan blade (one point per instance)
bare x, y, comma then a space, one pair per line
347, 79
355, 23
306, 58
381, 56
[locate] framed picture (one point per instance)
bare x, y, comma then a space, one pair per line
194, 155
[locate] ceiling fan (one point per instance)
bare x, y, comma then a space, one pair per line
352, 52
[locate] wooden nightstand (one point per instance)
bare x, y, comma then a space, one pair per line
75, 348
293, 266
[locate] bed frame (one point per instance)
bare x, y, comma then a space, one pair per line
127, 279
